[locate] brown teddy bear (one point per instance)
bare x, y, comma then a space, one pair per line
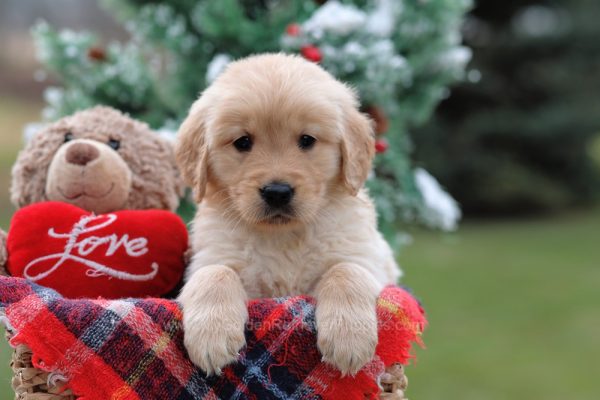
125, 158
99, 160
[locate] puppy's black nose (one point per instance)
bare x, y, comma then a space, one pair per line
277, 194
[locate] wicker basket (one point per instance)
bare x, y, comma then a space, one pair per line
30, 383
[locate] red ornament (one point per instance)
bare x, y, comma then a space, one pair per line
311, 53
293, 29
381, 145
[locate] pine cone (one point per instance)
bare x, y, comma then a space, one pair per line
377, 114
96, 54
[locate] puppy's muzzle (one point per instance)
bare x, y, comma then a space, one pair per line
277, 195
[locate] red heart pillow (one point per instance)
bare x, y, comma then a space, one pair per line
132, 253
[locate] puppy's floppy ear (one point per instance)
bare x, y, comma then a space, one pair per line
358, 150
191, 150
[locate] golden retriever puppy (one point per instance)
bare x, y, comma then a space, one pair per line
277, 153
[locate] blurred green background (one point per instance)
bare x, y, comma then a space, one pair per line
513, 302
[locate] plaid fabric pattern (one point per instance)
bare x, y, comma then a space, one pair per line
133, 348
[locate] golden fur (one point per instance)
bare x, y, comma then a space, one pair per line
329, 247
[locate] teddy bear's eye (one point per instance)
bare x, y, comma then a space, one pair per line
114, 144
243, 144
68, 137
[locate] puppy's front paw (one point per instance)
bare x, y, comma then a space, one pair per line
346, 337
213, 338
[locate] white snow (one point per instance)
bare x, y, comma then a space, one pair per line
216, 66
445, 211
31, 129
382, 20
456, 58
335, 17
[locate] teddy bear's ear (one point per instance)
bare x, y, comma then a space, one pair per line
30, 170
191, 150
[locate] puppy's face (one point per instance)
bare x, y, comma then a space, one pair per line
275, 155
273, 140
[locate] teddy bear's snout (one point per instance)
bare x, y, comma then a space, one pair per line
90, 175
81, 154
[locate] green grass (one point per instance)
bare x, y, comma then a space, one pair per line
514, 306
513, 309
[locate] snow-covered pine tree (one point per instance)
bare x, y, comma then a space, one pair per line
400, 55
528, 116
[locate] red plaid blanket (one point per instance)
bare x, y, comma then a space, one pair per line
133, 348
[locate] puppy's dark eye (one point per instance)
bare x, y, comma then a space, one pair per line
306, 142
243, 144
68, 137
114, 144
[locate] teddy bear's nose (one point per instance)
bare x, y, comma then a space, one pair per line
81, 154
